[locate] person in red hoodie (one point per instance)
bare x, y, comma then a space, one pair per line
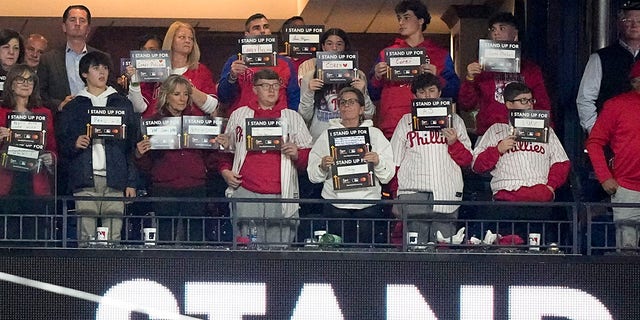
395, 96
176, 173
21, 95
617, 127
265, 174
483, 90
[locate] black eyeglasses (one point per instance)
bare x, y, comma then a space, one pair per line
21, 80
524, 100
268, 86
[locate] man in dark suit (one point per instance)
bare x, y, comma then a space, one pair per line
58, 70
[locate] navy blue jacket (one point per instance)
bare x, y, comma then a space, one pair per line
72, 123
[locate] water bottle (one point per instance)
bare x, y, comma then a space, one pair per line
135, 81
253, 235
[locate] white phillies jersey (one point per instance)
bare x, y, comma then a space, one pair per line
526, 164
425, 164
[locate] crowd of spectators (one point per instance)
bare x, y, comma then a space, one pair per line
69, 83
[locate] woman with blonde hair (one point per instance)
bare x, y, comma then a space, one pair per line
180, 40
176, 173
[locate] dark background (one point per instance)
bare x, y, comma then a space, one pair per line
359, 280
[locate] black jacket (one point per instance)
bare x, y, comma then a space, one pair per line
72, 123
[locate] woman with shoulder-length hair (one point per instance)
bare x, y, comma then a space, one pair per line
180, 40
21, 95
11, 52
176, 173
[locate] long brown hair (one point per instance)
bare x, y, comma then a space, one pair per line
8, 96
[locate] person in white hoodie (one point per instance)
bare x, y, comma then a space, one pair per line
98, 167
351, 106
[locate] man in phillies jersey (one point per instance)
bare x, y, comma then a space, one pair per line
521, 171
266, 174
428, 167
617, 127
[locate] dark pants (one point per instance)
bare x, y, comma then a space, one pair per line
352, 229
507, 221
220, 228
180, 221
23, 219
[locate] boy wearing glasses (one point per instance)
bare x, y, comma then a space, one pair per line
521, 171
266, 174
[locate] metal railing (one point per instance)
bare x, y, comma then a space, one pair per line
572, 232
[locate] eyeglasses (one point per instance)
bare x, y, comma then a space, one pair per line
630, 21
268, 86
347, 102
21, 80
524, 100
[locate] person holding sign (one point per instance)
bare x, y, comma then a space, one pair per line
99, 167
428, 165
175, 173
319, 100
295, 21
395, 96
148, 42
521, 171
180, 40
21, 100
341, 172
236, 79
482, 90
270, 144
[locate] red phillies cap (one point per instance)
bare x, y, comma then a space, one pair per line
635, 70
